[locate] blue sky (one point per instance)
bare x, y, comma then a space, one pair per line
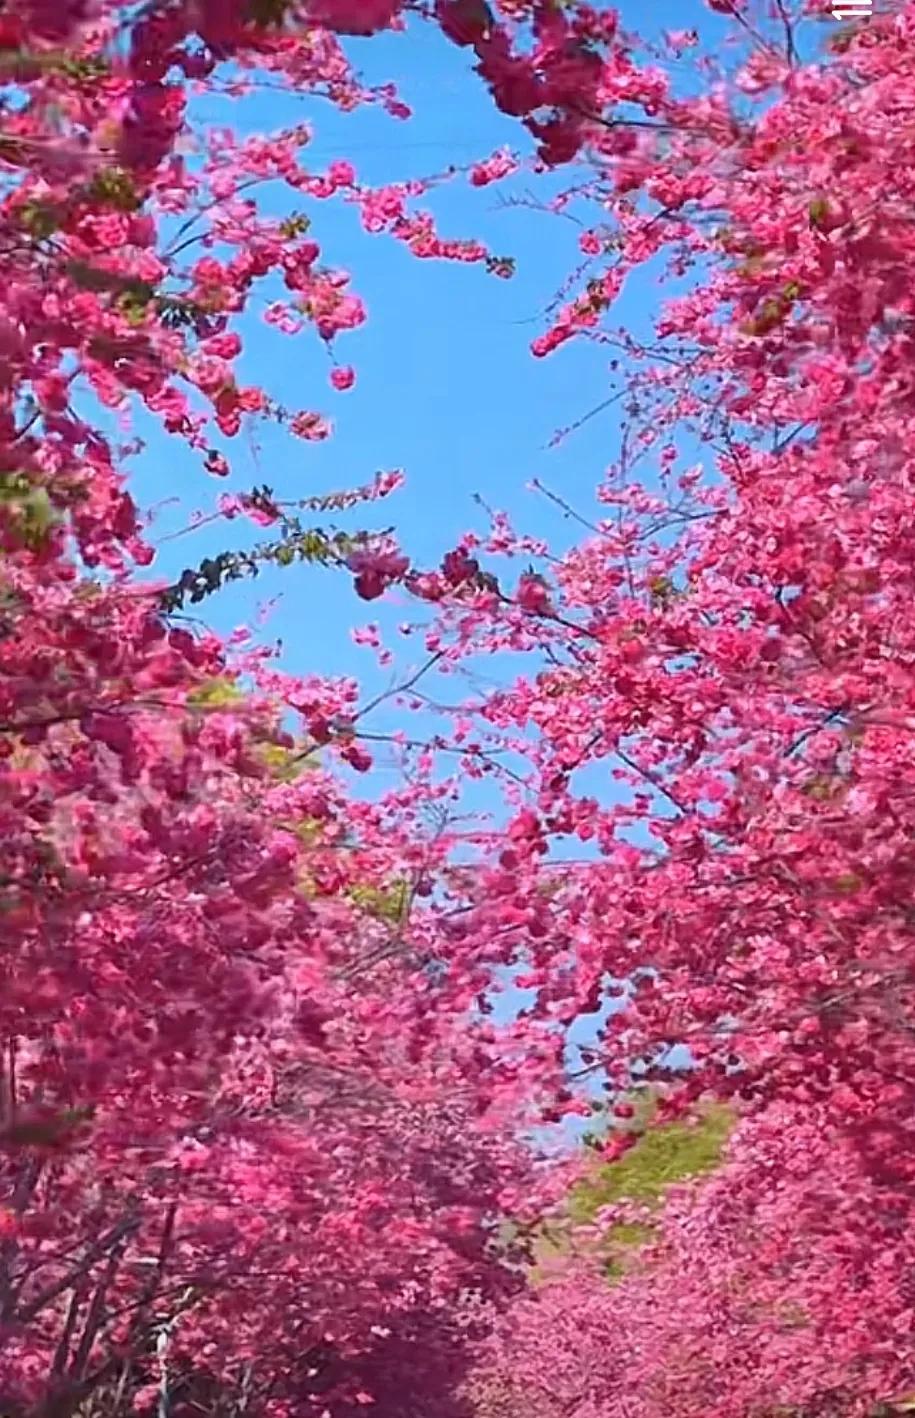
446, 387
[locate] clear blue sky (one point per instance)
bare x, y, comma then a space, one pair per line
446, 387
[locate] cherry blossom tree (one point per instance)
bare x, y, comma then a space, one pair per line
249, 1152
228, 1069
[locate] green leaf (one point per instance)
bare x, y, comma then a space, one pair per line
297, 224
661, 590
40, 219
818, 211
30, 506
389, 904
113, 187
215, 694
